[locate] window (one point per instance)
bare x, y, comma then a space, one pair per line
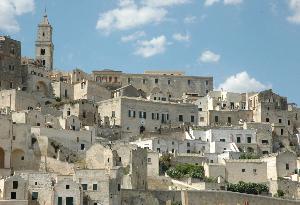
119, 187
158, 150
95, 187
229, 120
281, 131
59, 201
84, 186
267, 120
169, 82
243, 170
68, 113
43, 51
180, 118
13, 195
216, 119
156, 81
206, 82
248, 139
222, 140
189, 82
201, 119
44, 62
188, 151
82, 147
238, 139
69, 201
113, 114
149, 160
22, 158
188, 144
34, 196
254, 170
128, 80
173, 143
192, 118
265, 141
144, 81
287, 166
15, 184
279, 120
84, 114
289, 122
11, 85
265, 152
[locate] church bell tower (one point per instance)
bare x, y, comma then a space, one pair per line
44, 47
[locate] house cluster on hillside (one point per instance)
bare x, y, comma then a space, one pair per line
111, 138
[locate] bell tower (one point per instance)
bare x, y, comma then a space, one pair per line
44, 47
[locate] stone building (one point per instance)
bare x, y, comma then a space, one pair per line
134, 161
136, 115
85, 110
10, 64
90, 90
250, 170
68, 192
172, 84
15, 188
44, 47
18, 100
100, 186
279, 165
62, 90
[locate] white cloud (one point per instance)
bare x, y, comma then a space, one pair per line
242, 82
9, 10
164, 3
181, 37
189, 19
233, 2
133, 37
210, 2
152, 47
129, 16
209, 57
226, 2
294, 6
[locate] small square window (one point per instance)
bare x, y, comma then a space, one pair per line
67, 186
84, 186
15, 184
34, 196
13, 195
95, 187
243, 170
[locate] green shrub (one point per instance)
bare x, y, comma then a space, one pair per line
280, 193
186, 170
248, 188
164, 163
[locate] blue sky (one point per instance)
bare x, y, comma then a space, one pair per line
244, 44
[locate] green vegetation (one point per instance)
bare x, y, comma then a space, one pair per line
186, 170
248, 188
280, 193
164, 163
249, 156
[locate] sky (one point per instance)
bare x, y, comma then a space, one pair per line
246, 45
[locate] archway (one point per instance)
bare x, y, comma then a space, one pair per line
42, 87
18, 159
2, 158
